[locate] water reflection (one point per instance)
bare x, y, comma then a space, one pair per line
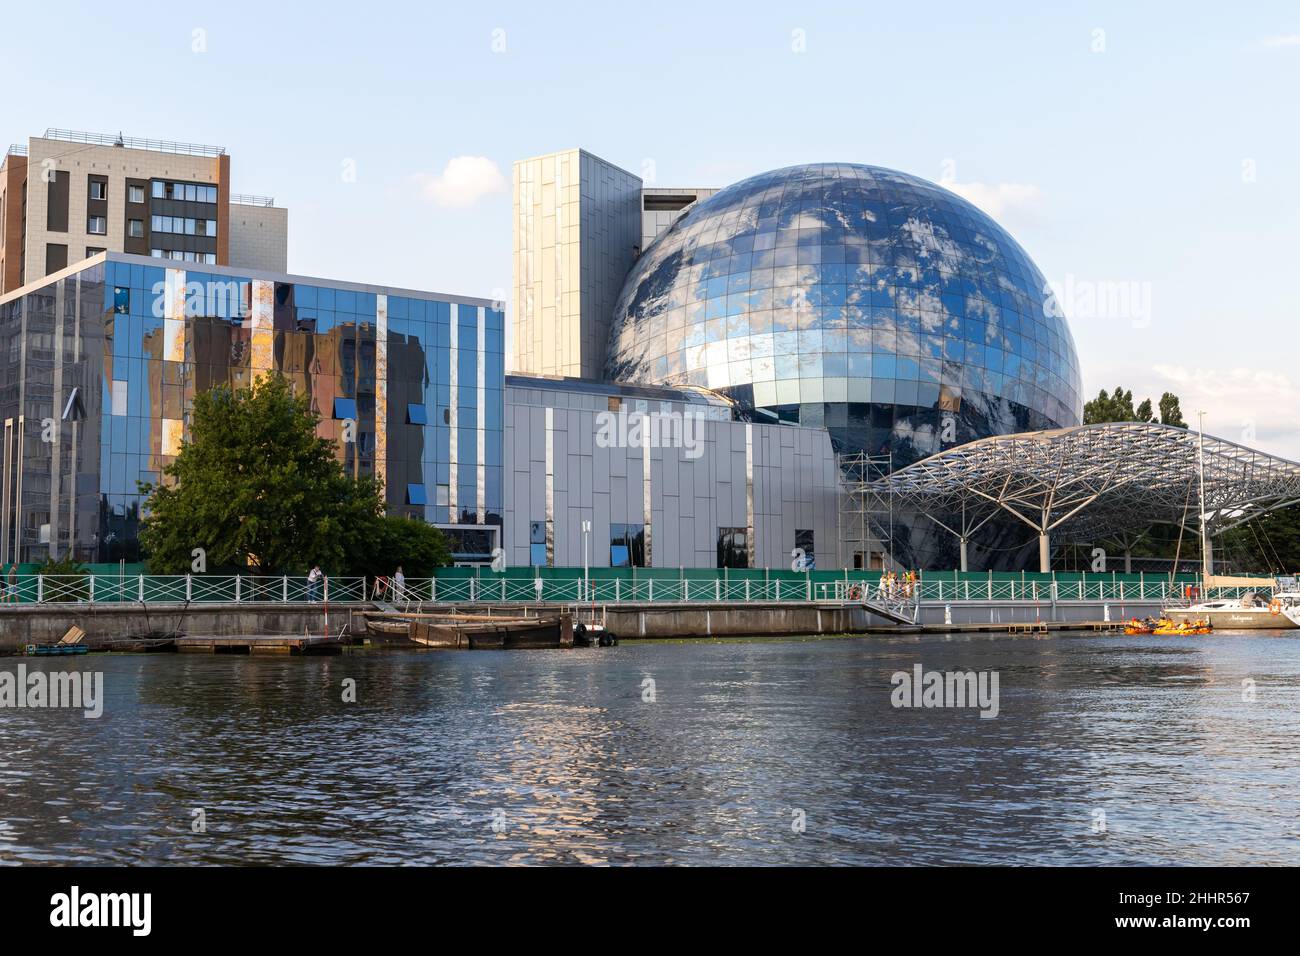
554, 757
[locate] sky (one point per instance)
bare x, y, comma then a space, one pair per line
1146, 156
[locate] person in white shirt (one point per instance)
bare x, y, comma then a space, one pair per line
313, 582
399, 585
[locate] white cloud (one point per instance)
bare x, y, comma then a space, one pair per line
996, 198
1285, 39
1256, 407
464, 181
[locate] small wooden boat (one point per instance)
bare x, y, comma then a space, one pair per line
499, 634
380, 630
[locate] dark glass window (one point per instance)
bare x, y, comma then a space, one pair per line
627, 546
416, 414
415, 495
537, 544
121, 300
733, 551
803, 540
345, 408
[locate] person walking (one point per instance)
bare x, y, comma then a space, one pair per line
314, 577
399, 585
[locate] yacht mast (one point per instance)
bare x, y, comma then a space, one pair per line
1206, 561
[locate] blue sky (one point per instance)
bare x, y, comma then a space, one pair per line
1155, 158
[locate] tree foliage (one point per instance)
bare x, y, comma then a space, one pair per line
394, 540
255, 487
1269, 543
1118, 407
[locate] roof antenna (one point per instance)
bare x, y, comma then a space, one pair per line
120, 141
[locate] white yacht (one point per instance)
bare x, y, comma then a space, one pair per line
1250, 612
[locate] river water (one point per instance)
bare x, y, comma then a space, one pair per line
1105, 750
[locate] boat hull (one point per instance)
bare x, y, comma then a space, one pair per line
1239, 619
388, 632
508, 635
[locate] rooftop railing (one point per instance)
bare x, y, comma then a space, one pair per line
244, 199
131, 142
16, 149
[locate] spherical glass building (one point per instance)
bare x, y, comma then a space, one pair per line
876, 304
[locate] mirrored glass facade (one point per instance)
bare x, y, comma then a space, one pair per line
865, 300
99, 370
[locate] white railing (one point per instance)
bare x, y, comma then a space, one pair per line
295, 589
785, 590
182, 589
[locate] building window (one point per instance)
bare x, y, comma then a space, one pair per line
93, 251
803, 541
416, 415
159, 189
135, 228
98, 190
97, 226
537, 544
627, 546
442, 495
345, 409
121, 300
135, 193
733, 550
119, 397
415, 495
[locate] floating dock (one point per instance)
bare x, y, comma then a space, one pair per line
260, 644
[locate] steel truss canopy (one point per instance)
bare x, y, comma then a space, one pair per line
1094, 481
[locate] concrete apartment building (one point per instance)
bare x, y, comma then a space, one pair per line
67, 195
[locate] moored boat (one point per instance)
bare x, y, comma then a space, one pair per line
503, 634
1250, 612
388, 630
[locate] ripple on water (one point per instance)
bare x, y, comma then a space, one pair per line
768, 752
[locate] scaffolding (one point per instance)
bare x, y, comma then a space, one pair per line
866, 511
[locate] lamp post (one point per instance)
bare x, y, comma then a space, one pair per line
586, 572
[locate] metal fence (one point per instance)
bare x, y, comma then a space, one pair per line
572, 589
181, 589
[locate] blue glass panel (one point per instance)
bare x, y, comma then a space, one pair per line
836, 249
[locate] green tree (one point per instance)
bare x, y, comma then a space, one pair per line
1270, 542
393, 540
1170, 412
254, 486
1118, 407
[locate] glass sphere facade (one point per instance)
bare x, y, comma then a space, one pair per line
871, 302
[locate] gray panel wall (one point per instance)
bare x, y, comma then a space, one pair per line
794, 484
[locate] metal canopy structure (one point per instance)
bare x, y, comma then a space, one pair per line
1093, 481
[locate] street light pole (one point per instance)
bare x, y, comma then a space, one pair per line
586, 567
